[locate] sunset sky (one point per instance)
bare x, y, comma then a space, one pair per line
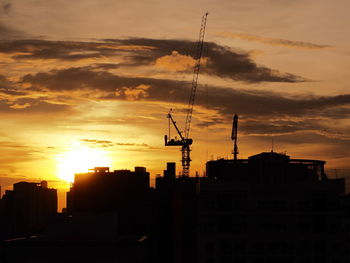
89, 83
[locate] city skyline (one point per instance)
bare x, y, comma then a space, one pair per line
89, 83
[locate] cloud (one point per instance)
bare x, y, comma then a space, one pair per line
106, 143
98, 143
5, 6
7, 32
64, 50
135, 93
222, 61
166, 54
33, 106
20, 106
175, 62
8, 88
274, 41
227, 101
266, 112
15, 99
17, 152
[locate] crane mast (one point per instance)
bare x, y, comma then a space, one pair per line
234, 136
184, 141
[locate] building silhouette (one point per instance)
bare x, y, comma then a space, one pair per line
123, 194
267, 208
26, 209
106, 221
176, 222
271, 208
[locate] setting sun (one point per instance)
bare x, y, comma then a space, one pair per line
80, 159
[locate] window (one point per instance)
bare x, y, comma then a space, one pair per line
225, 247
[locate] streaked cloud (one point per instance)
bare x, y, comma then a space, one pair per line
266, 113
105, 85
107, 143
273, 41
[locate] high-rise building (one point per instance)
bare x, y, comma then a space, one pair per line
125, 194
267, 208
26, 209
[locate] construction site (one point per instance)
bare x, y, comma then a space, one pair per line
267, 208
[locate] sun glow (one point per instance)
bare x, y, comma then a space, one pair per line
79, 160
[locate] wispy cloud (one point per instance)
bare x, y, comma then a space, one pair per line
273, 41
107, 143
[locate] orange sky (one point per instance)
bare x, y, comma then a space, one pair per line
89, 83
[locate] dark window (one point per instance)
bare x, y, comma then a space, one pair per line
224, 202
225, 224
209, 247
225, 259
225, 247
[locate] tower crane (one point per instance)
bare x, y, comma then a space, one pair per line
234, 136
184, 140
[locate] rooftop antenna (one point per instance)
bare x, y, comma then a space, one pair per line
234, 136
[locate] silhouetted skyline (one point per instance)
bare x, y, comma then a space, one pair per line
269, 207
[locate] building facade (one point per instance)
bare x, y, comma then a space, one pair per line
267, 208
124, 194
271, 208
27, 208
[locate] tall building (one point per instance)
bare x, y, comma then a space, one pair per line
267, 208
26, 209
270, 208
124, 194
176, 217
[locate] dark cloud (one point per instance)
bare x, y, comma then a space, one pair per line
14, 99
280, 127
222, 61
7, 32
63, 50
5, 6
117, 87
274, 41
263, 112
226, 100
106, 66
260, 103
213, 121
264, 126
8, 87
